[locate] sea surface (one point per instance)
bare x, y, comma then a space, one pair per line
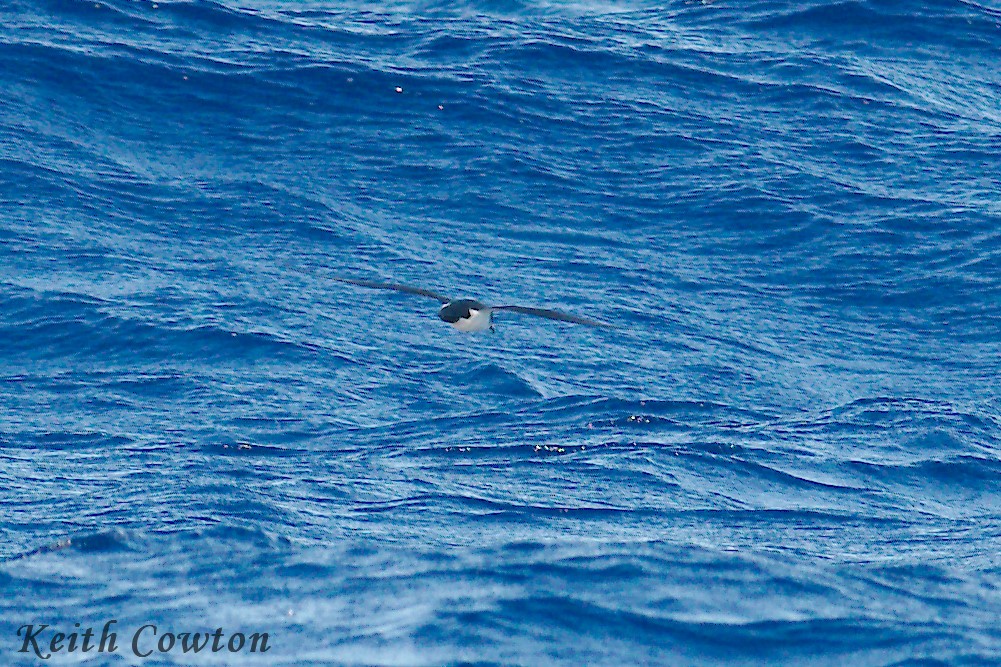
788, 451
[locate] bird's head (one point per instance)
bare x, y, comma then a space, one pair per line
456, 310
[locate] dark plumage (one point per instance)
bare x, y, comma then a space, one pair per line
453, 311
471, 315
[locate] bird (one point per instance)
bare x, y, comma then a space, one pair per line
470, 315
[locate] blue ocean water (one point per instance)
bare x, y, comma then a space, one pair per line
789, 452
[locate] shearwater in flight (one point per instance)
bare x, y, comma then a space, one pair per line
470, 315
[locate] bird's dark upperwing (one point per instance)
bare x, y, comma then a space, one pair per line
556, 315
398, 288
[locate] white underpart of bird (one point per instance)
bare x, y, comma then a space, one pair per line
470, 315
478, 320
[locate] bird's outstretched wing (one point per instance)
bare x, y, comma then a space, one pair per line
399, 288
555, 315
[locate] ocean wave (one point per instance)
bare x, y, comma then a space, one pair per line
786, 451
